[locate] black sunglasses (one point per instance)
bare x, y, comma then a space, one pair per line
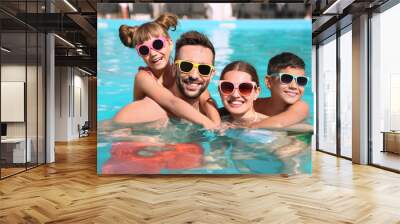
187, 66
156, 44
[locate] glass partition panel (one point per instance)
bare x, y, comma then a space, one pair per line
346, 93
41, 98
31, 98
327, 96
14, 152
385, 89
22, 64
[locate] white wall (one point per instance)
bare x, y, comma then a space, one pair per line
12, 73
61, 103
81, 89
13, 100
71, 94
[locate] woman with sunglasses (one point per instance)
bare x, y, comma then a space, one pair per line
153, 44
239, 88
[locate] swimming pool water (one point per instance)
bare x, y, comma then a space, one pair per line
230, 151
254, 41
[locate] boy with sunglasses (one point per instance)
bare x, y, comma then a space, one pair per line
286, 80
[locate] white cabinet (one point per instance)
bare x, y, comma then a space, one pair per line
12, 101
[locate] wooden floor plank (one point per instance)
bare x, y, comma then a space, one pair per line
70, 191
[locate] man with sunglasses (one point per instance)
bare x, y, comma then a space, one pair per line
286, 81
194, 66
193, 69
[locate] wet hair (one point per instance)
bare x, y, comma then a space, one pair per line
193, 38
132, 35
284, 60
241, 66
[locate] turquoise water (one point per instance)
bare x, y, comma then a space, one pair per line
254, 41
229, 151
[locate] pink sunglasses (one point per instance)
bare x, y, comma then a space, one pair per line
228, 87
155, 43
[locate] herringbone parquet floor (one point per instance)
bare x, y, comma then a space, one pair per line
69, 191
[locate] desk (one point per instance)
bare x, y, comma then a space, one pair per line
17, 150
391, 141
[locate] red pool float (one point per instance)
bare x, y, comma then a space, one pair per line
151, 158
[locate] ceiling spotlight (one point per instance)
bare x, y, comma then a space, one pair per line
70, 5
337, 7
84, 71
5, 50
65, 41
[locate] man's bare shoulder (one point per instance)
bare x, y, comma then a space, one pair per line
145, 110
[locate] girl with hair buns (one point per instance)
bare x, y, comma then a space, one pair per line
154, 45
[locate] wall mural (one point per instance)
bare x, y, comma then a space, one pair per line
182, 90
